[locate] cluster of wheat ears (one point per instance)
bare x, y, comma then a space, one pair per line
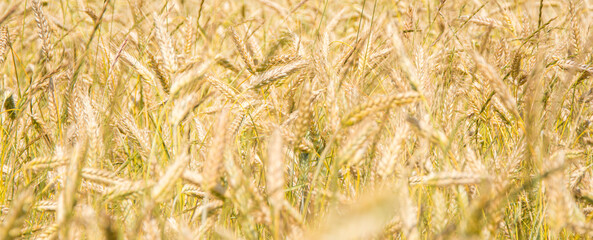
296, 119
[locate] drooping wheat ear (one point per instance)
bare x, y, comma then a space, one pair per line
572, 65
4, 42
304, 115
255, 50
562, 205
378, 58
138, 66
9, 11
188, 38
52, 105
575, 35
193, 178
111, 66
188, 79
157, 68
407, 67
165, 44
44, 162
486, 21
214, 161
240, 45
75, 110
200, 130
497, 84
224, 88
349, 57
516, 64
193, 191
127, 189
235, 125
364, 58
183, 106
73, 177
49, 232
388, 161
173, 173
407, 210
282, 11
473, 162
88, 187
424, 129
353, 151
130, 129
89, 12
275, 170
15, 218
380, 55
224, 62
448, 178
276, 60
43, 28
285, 39
93, 128
9, 104
576, 177
379, 104
4, 210
30, 230
277, 73
101, 176
307, 75
45, 206
42, 129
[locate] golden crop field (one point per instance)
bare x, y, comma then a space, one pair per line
296, 119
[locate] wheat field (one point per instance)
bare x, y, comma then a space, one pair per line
296, 119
